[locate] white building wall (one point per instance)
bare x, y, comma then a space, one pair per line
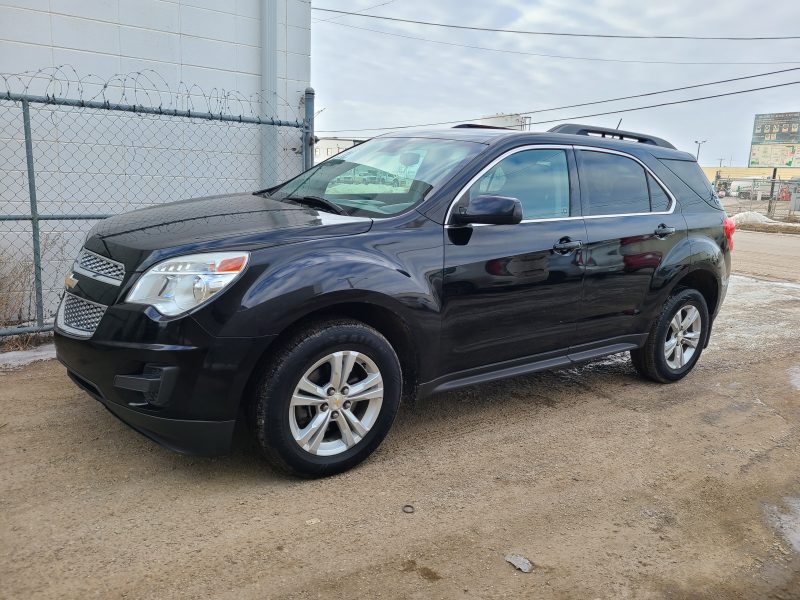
325, 148
213, 44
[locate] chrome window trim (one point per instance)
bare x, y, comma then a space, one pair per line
98, 276
508, 153
674, 201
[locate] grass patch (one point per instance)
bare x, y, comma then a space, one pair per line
770, 227
24, 341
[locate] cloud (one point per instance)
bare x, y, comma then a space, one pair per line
366, 79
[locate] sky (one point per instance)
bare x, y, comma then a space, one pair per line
366, 79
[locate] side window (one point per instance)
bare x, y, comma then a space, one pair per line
612, 184
539, 179
659, 201
692, 175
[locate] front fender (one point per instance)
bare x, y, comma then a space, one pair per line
327, 277
398, 270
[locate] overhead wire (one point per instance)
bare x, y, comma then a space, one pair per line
559, 34
559, 56
581, 104
627, 110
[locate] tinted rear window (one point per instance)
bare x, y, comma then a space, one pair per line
612, 184
692, 175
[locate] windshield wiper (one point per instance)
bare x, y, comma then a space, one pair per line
318, 202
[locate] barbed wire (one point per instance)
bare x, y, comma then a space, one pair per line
146, 88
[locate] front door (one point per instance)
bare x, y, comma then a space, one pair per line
631, 226
513, 291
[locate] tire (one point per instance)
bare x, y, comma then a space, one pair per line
655, 360
301, 425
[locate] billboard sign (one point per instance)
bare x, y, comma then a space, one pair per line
776, 140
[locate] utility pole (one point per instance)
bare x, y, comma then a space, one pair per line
699, 143
720, 162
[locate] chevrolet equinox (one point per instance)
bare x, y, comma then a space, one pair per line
410, 264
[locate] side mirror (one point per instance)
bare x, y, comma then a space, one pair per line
489, 210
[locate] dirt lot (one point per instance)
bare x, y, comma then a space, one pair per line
767, 255
612, 487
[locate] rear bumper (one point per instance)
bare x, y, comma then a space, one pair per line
175, 383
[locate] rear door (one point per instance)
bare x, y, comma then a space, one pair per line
511, 291
632, 224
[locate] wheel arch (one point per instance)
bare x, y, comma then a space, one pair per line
705, 282
380, 317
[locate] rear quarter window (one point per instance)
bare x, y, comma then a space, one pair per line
690, 173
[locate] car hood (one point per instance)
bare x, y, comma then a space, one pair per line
143, 237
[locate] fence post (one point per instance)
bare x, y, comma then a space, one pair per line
308, 130
270, 171
37, 253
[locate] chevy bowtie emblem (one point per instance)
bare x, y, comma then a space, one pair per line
70, 281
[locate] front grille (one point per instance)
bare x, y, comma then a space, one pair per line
100, 265
79, 316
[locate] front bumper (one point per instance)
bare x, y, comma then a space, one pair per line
172, 382
204, 438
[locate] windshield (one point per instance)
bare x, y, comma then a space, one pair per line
381, 177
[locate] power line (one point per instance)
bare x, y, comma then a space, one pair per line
543, 55
611, 112
561, 56
360, 12
541, 110
626, 110
560, 34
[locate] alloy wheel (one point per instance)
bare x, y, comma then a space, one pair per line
683, 336
336, 402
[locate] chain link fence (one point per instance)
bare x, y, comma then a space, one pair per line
776, 199
66, 163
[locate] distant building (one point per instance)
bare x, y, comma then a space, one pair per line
520, 122
784, 173
327, 147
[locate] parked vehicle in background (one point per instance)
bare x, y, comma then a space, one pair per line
308, 310
749, 188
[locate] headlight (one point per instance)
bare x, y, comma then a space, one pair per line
180, 284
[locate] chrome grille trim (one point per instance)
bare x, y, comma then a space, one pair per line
79, 317
99, 267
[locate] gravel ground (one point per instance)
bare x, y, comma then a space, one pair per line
767, 255
611, 486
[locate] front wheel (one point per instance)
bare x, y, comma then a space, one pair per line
328, 398
676, 338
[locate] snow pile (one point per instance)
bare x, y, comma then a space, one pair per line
20, 358
750, 217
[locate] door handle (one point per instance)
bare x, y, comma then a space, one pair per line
566, 245
663, 231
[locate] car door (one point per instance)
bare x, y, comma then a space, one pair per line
631, 226
512, 291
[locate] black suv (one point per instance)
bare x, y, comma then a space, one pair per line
308, 310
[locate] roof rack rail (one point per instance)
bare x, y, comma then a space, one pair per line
617, 134
477, 126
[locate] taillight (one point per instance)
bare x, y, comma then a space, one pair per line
730, 226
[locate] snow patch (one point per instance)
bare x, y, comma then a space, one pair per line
794, 376
19, 358
750, 217
756, 280
786, 521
